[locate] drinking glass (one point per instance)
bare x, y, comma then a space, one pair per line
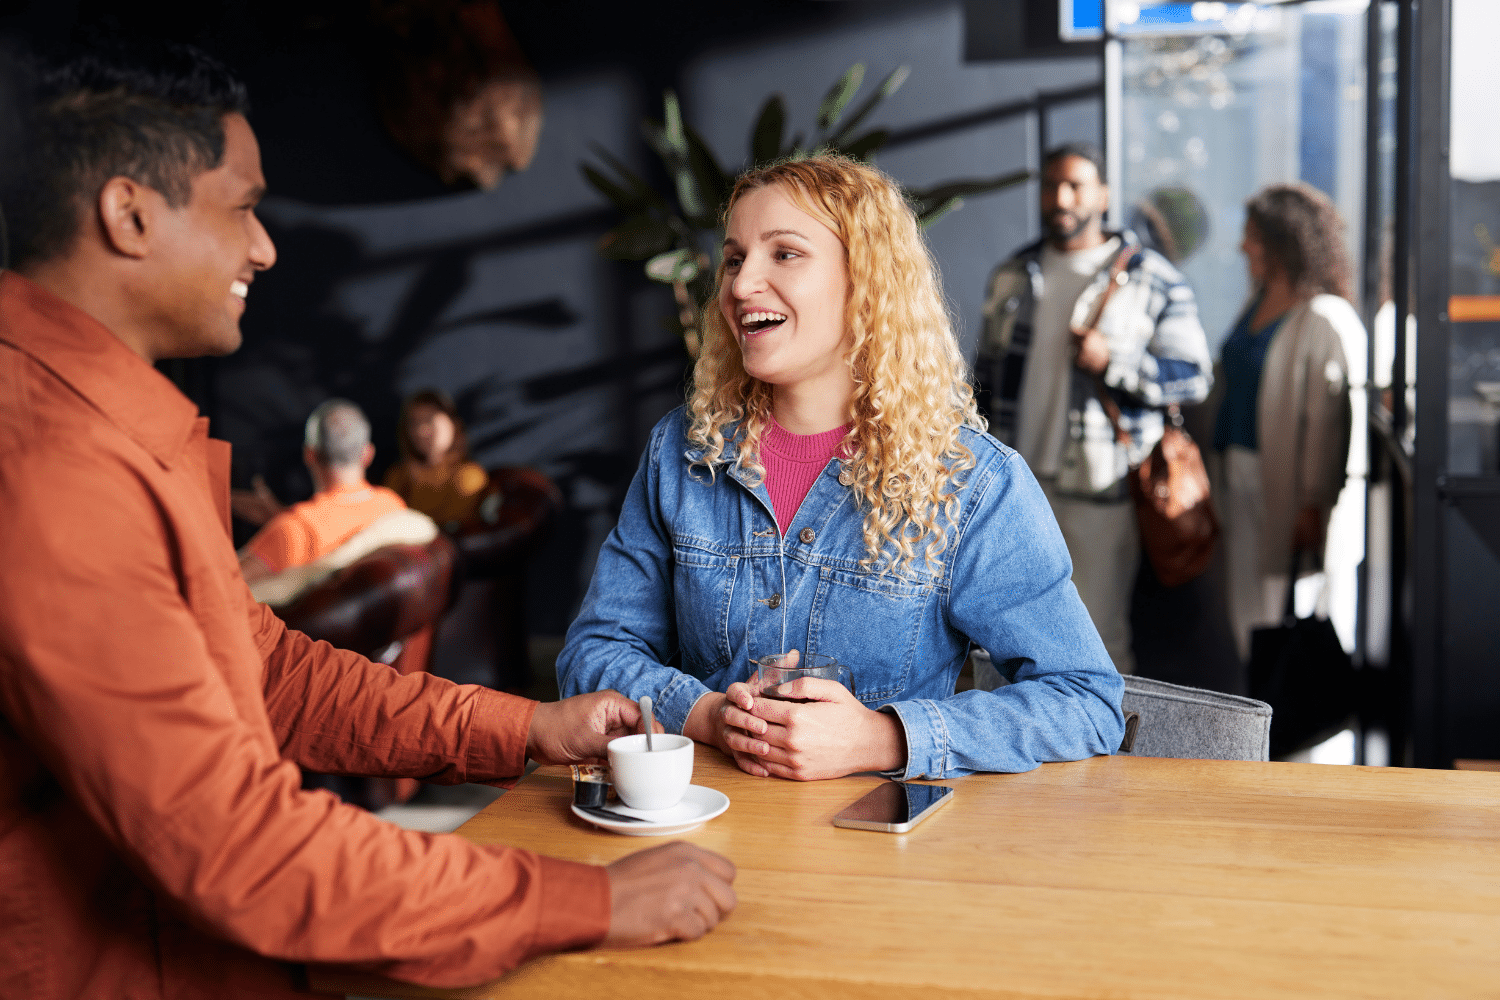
771, 673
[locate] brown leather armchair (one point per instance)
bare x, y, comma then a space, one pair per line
377, 604
523, 504
384, 606
529, 502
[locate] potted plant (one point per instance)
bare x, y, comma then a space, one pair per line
678, 233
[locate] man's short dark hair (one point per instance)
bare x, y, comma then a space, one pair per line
145, 109
1085, 150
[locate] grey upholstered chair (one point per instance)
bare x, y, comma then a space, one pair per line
1169, 720
1177, 721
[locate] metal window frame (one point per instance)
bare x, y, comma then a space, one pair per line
1430, 254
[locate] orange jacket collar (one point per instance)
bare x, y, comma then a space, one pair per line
97, 365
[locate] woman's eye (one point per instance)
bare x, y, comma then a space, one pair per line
731, 263
786, 254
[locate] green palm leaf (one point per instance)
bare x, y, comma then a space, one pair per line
839, 95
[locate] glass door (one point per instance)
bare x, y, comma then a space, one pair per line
1213, 101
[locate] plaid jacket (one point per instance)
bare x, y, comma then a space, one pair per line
1158, 357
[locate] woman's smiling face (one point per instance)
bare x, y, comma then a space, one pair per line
784, 290
431, 431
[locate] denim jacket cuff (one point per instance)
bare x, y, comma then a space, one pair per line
926, 739
676, 701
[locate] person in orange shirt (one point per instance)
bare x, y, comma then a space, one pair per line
336, 449
155, 840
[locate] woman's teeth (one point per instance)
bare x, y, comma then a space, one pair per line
757, 321
239, 288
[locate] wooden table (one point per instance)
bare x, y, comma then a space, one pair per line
1110, 877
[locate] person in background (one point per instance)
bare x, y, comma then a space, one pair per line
435, 475
336, 449
1283, 416
1041, 367
154, 836
829, 488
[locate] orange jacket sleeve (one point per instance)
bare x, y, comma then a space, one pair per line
106, 672
336, 712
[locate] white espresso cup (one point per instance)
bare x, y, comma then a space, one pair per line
655, 779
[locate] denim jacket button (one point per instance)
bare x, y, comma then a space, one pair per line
773, 602
807, 535
846, 478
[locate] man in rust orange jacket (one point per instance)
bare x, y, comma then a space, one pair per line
154, 837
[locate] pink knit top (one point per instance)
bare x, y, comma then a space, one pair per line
792, 463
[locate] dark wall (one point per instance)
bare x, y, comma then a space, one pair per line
387, 282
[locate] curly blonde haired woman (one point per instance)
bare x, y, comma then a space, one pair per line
829, 488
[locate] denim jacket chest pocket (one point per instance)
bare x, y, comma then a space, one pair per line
873, 623
703, 578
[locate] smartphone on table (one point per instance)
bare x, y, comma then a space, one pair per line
894, 807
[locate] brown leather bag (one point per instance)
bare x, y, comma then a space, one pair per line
1170, 488
1173, 506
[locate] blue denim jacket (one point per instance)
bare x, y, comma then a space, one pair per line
698, 576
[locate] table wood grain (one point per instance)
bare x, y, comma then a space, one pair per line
1110, 877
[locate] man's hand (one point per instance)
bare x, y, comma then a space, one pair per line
1307, 532
675, 892
829, 736
1091, 351
579, 728
256, 505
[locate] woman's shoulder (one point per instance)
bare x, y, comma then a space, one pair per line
1334, 311
670, 431
398, 477
1331, 328
987, 450
470, 478
991, 458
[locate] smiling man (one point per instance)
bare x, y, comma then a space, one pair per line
154, 837
1041, 367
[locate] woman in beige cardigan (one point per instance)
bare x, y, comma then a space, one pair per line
1283, 421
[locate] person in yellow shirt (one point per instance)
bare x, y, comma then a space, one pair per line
435, 475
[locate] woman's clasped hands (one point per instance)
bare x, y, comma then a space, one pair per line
826, 732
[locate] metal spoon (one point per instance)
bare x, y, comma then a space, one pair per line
606, 813
647, 722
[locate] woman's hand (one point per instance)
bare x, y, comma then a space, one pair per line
720, 720
829, 735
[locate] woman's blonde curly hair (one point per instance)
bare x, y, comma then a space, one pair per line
911, 386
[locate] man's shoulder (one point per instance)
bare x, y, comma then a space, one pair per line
64, 497
50, 433
1022, 256
388, 499
1156, 266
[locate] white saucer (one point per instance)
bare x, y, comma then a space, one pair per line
698, 806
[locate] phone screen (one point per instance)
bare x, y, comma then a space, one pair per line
893, 805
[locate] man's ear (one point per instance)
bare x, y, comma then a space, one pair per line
367, 456
126, 210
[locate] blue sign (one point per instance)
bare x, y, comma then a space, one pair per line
1080, 20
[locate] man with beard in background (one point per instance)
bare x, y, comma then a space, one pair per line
1044, 359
